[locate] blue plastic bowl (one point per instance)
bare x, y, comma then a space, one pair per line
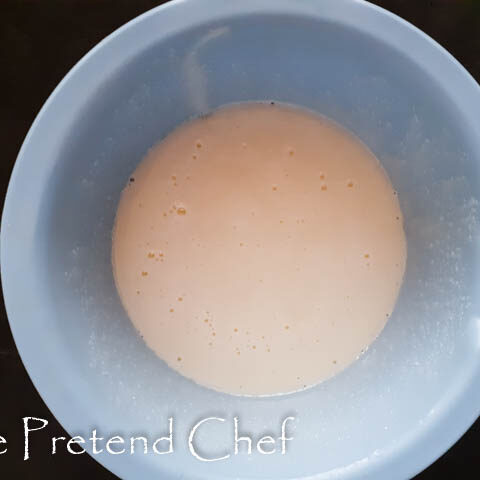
414, 392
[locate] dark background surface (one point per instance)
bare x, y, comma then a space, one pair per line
39, 42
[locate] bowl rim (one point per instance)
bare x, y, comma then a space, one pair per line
454, 415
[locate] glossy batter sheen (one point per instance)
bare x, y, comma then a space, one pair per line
259, 250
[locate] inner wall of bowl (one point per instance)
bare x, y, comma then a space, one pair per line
429, 345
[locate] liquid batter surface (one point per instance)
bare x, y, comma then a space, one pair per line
259, 250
